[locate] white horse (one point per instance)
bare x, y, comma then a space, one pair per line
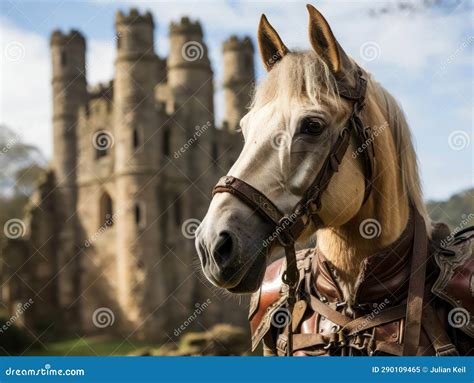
295, 116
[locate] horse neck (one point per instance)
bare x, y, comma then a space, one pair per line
387, 207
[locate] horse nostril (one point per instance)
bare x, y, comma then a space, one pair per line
224, 247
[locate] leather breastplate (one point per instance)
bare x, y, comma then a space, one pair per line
382, 290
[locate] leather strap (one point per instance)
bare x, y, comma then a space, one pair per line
353, 326
326, 311
416, 287
349, 92
366, 322
437, 334
251, 196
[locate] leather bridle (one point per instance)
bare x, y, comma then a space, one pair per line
289, 227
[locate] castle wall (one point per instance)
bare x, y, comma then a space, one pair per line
134, 163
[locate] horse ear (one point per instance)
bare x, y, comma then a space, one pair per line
324, 42
271, 47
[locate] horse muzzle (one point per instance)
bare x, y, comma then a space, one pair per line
230, 260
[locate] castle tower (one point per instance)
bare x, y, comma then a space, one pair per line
69, 95
136, 172
190, 80
191, 103
239, 78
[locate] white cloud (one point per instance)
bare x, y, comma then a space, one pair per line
412, 48
25, 97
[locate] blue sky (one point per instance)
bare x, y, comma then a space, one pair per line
423, 56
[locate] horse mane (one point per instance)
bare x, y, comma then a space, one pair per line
407, 158
304, 75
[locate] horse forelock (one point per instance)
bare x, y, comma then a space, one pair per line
303, 77
299, 76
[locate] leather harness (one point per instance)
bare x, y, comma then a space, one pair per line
288, 227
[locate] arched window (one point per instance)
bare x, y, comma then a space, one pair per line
162, 214
136, 138
139, 212
106, 210
63, 58
166, 142
178, 211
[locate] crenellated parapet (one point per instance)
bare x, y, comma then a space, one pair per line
188, 62
72, 37
186, 26
101, 90
236, 43
134, 36
133, 18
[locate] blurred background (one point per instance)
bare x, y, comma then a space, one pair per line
117, 117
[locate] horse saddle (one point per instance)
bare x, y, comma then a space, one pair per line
374, 323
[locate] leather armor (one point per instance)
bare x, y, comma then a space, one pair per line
375, 323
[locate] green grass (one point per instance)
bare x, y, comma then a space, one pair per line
90, 346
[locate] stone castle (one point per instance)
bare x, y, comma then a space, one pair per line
110, 226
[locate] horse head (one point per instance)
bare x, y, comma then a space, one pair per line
295, 119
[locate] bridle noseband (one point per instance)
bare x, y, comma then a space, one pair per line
289, 227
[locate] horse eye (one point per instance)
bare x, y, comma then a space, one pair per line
312, 126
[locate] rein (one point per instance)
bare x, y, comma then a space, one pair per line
289, 227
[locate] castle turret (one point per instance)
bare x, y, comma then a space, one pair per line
190, 80
69, 95
239, 78
191, 103
136, 172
